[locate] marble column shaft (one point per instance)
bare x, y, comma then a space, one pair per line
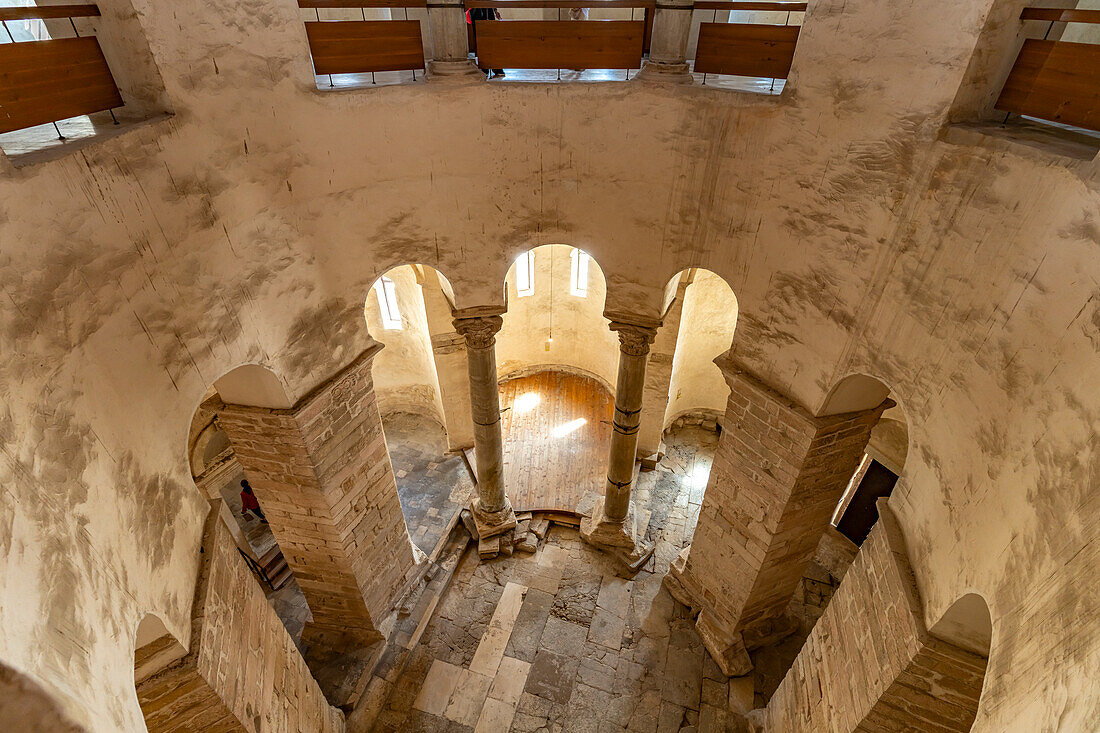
491, 508
634, 345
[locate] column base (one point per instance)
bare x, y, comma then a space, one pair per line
620, 539
453, 69
491, 524
665, 73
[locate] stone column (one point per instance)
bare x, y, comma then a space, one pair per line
450, 46
777, 476
612, 523
667, 62
322, 475
492, 511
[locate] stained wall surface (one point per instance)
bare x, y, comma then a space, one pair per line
859, 231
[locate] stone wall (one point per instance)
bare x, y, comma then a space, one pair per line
860, 230
322, 474
243, 672
777, 476
869, 665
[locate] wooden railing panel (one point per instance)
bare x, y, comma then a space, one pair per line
597, 4
46, 81
560, 44
1056, 81
49, 11
775, 7
360, 46
332, 4
1055, 15
746, 49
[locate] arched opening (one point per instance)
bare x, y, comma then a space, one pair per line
25, 705
219, 475
686, 393
422, 390
155, 649
879, 467
883, 459
556, 362
967, 625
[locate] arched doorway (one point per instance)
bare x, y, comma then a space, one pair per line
422, 389
557, 361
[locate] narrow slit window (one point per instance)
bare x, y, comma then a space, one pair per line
525, 274
579, 273
387, 303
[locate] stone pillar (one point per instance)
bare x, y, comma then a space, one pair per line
613, 522
658, 373
450, 46
777, 476
322, 475
667, 62
492, 511
449, 352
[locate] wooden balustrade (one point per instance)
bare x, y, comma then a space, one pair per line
1056, 80
364, 46
562, 44
47, 81
747, 49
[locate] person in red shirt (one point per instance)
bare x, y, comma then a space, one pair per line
249, 503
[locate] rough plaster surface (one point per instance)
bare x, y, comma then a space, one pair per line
960, 270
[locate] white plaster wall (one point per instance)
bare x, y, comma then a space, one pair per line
581, 339
958, 267
404, 371
706, 330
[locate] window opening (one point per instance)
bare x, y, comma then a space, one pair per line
525, 274
387, 303
578, 269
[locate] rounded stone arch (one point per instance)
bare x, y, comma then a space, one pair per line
28, 706
968, 625
884, 456
408, 309
557, 322
700, 318
155, 649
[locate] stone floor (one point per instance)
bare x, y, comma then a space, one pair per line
559, 641
433, 486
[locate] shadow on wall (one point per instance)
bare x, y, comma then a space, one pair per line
555, 316
704, 307
27, 707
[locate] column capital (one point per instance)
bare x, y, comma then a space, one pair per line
480, 332
634, 339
